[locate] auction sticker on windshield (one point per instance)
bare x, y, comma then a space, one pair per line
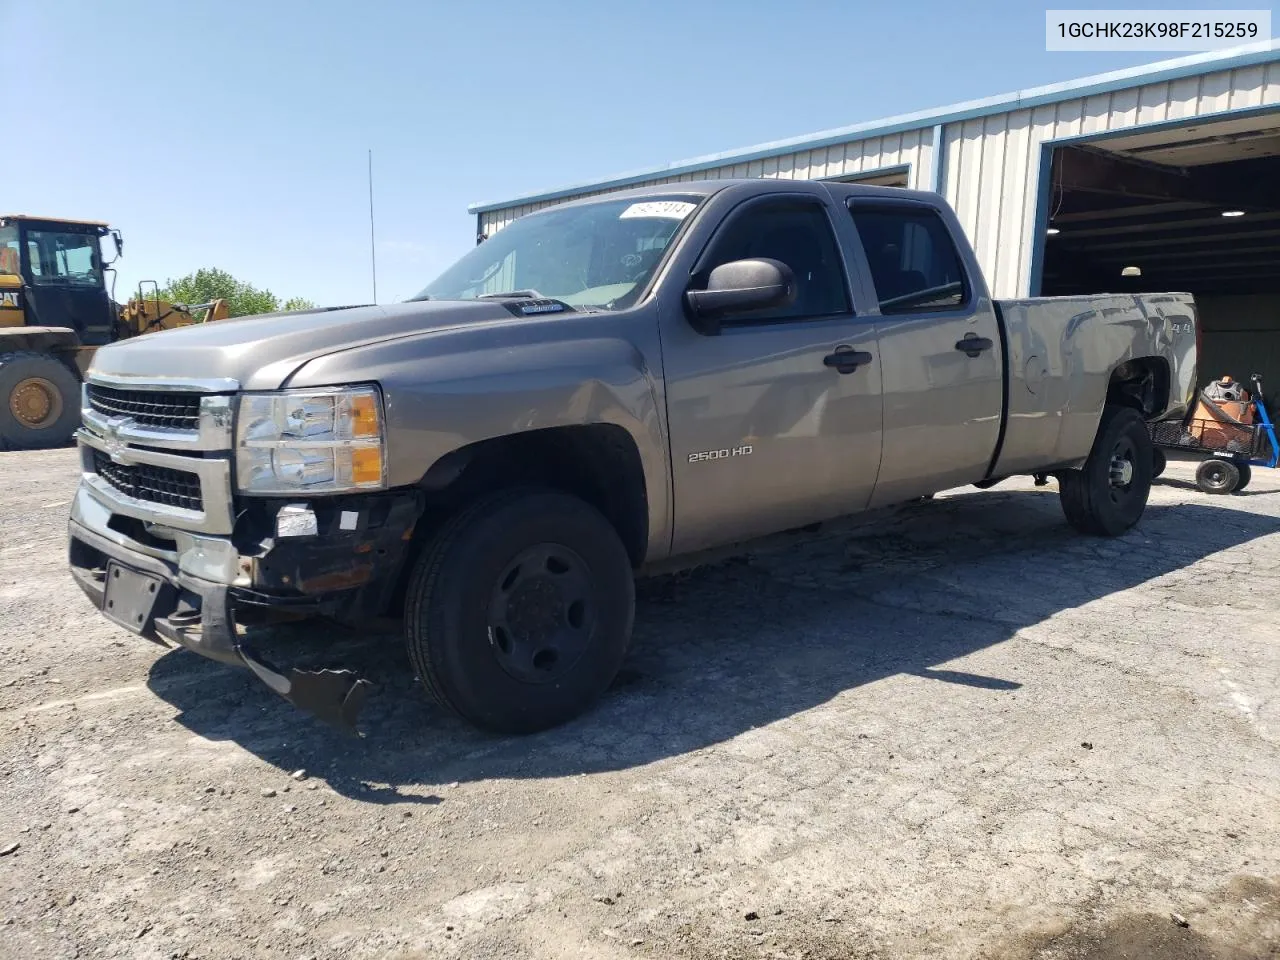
667, 209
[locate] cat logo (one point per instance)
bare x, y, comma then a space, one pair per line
9, 299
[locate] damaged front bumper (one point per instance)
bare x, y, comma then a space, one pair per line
190, 589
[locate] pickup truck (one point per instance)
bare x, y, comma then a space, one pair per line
602, 387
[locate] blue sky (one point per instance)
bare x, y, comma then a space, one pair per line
234, 134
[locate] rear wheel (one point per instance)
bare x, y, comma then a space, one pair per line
519, 611
1109, 493
1218, 476
1158, 463
39, 401
1246, 474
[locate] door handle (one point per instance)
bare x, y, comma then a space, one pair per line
973, 346
846, 360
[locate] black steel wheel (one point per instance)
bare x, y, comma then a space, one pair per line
518, 612
541, 613
1218, 476
1109, 493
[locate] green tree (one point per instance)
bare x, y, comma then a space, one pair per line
243, 299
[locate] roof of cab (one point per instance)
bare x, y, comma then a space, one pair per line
27, 216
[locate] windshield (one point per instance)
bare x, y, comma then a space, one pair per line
596, 255
62, 257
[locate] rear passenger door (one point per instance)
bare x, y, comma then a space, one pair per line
940, 353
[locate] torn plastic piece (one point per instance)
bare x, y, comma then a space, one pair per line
334, 696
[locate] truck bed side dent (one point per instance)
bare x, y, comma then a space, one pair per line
1062, 354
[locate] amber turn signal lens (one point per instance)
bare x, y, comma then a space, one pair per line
364, 415
366, 465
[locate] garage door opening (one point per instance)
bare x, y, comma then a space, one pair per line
1195, 210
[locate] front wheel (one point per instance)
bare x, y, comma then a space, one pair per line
1108, 495
519, 612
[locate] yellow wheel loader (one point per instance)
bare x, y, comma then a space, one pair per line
55, 312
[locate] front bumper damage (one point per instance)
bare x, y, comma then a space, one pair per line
196, 591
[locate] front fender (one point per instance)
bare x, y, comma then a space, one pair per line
449, 389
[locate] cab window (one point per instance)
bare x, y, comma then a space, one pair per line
914, 263
63, 257
795, 232
9, 260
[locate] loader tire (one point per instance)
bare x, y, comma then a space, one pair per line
39, 401
1109, 493
518, 612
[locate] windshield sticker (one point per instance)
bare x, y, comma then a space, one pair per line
665, 209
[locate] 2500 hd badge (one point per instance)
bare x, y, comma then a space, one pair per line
722, 454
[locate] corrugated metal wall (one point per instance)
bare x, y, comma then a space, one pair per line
912, 149
992, 163
991, 170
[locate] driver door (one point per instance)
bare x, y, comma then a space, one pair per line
765, 434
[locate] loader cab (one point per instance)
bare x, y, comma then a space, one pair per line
52, 275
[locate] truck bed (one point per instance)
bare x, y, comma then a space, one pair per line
1060, 353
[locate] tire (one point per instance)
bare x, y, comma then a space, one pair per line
39, 401
1108, 495
1218, 476
518, 613
1246, 474
1158, 463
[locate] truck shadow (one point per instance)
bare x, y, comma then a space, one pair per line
722, 649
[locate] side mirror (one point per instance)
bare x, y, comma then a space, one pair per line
740, 287
118, 243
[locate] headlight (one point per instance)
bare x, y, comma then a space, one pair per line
310, 441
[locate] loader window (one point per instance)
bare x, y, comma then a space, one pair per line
9, 262
69, 258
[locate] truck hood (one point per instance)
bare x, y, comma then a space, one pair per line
262, 352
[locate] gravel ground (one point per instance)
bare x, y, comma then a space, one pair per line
954, 730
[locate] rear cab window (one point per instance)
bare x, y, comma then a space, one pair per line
914, 263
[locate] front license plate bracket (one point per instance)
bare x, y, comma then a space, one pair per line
129, 597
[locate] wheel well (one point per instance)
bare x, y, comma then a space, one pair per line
1142, 383
598, 463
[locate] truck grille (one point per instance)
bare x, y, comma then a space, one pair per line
175, 488
148, 408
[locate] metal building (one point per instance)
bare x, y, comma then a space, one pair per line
1169, 171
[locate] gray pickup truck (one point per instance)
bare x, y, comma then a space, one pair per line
602, 387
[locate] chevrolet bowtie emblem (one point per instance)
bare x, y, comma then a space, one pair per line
111, 438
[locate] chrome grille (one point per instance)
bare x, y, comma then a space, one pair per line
148, 408
174, 488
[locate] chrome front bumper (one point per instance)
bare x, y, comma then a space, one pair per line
193, 609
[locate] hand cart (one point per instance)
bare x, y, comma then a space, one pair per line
1233, 447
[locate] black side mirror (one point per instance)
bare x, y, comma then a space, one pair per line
118, 243
740, 287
